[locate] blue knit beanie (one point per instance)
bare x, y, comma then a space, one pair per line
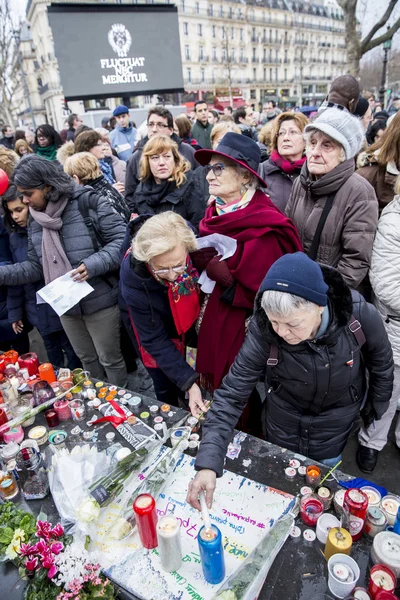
298, 275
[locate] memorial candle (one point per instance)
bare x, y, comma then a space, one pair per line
212, 554
390, 505
169, 543
29, 361
46, 372
144, 508
313, 476
382, 578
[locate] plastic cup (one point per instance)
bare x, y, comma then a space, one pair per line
337, 586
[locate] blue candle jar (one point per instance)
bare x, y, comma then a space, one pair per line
212, 554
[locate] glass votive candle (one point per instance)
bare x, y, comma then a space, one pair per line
8, 485
77, 375
10, 357
62, 409
381, 578
46, 372
311, 508
77, 410
24, 404
42, 391
29, 361
313, 476
52, 418
390, 505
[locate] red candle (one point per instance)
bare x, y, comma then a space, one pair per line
10, 357
386, 596
311, 508
46, 373
62, 409
381, 578
144, 508
3, 363
52, 418
29, 361
355, 506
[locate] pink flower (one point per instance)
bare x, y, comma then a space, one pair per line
26, 549
56, 547
57, 531
48, 561
31, 563
41, 547
52, 572
43, 529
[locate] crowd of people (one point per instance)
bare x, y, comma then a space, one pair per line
306, 300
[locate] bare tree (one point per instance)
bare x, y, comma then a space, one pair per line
357, 46
228, 62
9, 64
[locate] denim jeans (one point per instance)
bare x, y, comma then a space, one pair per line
331, 462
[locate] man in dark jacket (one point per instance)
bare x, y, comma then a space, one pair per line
159, 122
8, 137
317, 338
201, 129
73, 123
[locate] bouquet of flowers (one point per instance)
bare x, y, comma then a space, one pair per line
16, 527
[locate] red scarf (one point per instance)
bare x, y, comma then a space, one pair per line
263, 235
183, 296
287, 166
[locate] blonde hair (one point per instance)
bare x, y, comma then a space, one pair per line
162, 233
223, 128
84, 165
157, 145
8, 160
22, 144
298, 117
265, 134
397, 185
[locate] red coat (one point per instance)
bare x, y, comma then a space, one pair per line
263, 235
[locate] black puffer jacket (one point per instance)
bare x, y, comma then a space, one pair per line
313, 396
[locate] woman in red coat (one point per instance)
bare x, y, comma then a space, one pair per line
263, 234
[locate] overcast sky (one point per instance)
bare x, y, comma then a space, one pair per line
369, 12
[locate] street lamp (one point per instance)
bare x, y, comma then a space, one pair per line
386, 47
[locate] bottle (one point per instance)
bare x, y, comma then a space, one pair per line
8, 485
32, 474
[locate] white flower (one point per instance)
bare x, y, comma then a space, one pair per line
19, 534
13, 549
88, 511
71, 564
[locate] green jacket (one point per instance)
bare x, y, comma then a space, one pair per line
201, 133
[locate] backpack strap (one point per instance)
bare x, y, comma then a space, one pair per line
273, 356
356, 330
85, 203
313, 251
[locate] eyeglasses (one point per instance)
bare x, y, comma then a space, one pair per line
159, 126
290, 133
216, 169
179, 269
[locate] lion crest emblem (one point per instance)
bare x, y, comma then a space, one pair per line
120, 39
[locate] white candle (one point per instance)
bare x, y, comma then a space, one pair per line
383, 580
341, 572
390, 505
169, 543
374, 496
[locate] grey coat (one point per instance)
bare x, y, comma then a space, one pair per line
279, 183
79, 248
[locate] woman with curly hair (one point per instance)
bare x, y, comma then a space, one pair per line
166, 182
47, 142
22, 147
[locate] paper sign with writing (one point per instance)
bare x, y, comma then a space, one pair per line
242, 509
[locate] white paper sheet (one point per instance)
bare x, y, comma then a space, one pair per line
63, 293
224, 245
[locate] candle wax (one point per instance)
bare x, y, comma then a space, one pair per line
323, 492
383, 580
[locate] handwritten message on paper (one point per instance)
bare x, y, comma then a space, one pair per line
242, 509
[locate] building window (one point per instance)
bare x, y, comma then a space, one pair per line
265, 74
270, 36
221, 11
254, 54
285, 19
241, 34
270, 74
254, 74
201, 53
285, 77
241, 56
233, 55
223, 33
214, 53
270, 55
223, 54
253, 94
189, 74
198, 8
232, 33
213, 31
230, 14
200, 29
276, 35
187, 52
202, 75
185, 29
211, 10
265, 55
183, 5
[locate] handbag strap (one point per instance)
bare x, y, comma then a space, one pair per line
313, 251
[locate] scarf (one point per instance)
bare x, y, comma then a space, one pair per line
263, 235
107, 171
154, 192
287, 166
54, 260
223, 209
183, 296
49, 152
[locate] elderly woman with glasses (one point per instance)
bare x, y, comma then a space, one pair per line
283, 167
159, 287
243, 212
167, 183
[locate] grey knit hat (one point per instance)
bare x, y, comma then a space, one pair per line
343, 127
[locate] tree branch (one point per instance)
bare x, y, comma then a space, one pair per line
382, 21
381, 39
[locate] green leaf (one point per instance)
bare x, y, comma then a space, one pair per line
6, 535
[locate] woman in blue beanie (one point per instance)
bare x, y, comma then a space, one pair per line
318, 339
